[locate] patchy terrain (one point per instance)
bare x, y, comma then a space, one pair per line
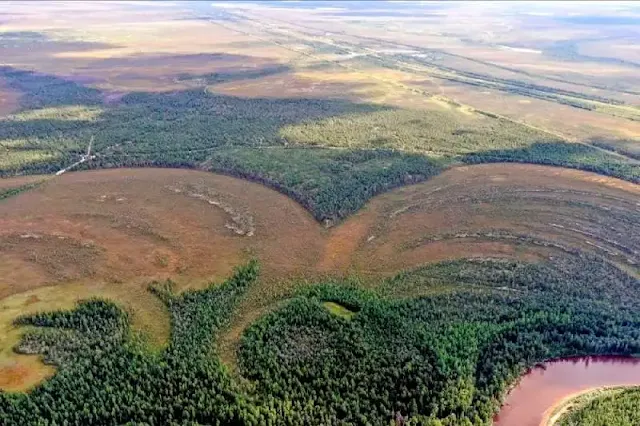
401, 148
109, 233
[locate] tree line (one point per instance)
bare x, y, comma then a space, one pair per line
443, 357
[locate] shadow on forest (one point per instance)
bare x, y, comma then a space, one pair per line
229, 67
235, 74
37, 41
628, 147
241, 137
179, 120
42, 90
17, 44
196, 129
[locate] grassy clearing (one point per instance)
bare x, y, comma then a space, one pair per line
339, 310
64, 113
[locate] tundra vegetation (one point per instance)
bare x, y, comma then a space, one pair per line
330, 119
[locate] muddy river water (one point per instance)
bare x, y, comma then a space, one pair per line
540, 390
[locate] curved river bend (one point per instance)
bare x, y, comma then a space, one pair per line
541, 389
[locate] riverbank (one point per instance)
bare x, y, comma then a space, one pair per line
578, 400
602, 402
548, 391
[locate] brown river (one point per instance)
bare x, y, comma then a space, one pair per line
541, 389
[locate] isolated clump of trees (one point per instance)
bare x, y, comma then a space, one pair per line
436, 346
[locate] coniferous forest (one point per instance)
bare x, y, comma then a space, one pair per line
439, 345
614, 408
330, 155
192, 298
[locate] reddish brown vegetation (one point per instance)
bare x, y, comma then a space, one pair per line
110, 232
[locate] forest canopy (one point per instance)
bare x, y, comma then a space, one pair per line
436, 346
330, 155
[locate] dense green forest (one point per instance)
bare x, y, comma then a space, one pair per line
614, 408
446, 358
107, 377
439, 345
330, 155
436, 346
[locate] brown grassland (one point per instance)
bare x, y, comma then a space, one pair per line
110, 233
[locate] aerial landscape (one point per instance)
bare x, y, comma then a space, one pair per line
392, 213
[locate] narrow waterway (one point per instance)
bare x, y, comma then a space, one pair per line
532, 400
